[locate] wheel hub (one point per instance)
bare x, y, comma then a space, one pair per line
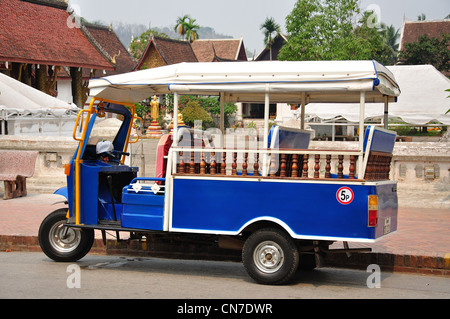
64, 239
268, 257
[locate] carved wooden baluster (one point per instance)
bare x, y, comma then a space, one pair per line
305, 166
203, 164
328, 167
192, 164
213, 163
294, 165
340, 173
351, 174
245, 165
223, 166
234, 164
283, 166
317, 166
256, 165
180, 168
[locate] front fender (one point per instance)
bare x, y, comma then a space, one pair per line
63, 192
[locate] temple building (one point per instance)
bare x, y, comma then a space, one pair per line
44, 45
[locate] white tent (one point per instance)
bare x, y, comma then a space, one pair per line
423, 99
22, 103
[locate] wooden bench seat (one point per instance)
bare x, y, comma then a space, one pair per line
15, 167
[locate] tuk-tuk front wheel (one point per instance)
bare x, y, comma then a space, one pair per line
270, 256
62, 243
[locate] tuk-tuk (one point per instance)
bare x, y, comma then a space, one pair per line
278, 201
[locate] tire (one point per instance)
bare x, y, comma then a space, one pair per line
270, 257
73, 247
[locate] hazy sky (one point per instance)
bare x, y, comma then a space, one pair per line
240, 17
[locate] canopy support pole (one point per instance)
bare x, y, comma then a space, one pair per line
222, 113
302, 119
386, 112
266, 120
175, 119
362, 101
266, 134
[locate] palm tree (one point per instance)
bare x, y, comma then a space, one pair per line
391, 37
186, 27
421, 17
191, 30
270, 27
180, 26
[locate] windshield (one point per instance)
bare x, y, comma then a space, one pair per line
105, 129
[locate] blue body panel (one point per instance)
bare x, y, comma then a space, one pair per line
308, 209
143, 209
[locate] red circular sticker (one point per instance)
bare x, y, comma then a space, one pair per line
344, 195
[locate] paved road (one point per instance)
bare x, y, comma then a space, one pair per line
33, 275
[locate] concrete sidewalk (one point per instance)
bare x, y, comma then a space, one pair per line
421, 243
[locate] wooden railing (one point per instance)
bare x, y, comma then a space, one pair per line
280, 163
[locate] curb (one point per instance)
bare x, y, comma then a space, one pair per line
163, 248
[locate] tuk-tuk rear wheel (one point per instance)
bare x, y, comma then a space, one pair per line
62, 243
270, 256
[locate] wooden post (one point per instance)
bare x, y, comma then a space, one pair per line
245, 165
213, 163
351, 174
340, 173
294, 165
283, 166
317, 166
256, 166
305, 166
328, 167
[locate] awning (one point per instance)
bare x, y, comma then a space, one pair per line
321, 81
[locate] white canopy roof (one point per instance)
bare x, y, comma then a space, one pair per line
19, 99
321, 81
423, 99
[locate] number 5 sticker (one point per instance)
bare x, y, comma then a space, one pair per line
344, 195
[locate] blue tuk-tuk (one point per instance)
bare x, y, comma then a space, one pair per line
280, 202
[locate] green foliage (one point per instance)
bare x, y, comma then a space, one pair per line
194, 112
187, 27
325, 30
138, 45
210, 104
427, 50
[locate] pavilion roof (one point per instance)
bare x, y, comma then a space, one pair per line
42, 32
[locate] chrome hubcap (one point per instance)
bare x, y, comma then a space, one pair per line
268, 257
64, 239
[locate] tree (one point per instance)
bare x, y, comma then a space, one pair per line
421, 17
194, 112
270, 28
180, 26
391, 37
427, 50
186, 27
321, 30
138, 45
326, 30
